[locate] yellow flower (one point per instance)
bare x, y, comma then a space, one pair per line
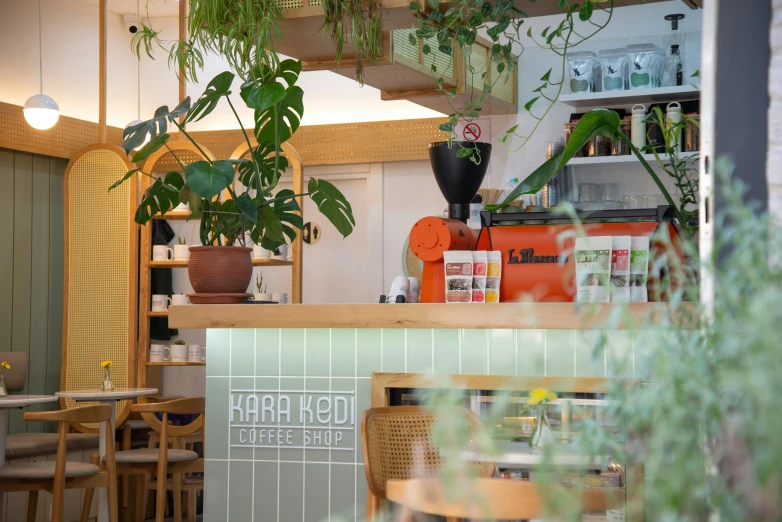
539, 395
5, 365
105, 364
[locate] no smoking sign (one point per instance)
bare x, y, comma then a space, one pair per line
478, 129
471, 132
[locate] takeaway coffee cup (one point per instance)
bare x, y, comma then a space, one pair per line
196, 353
160, 303
180, 299
162, 253
159, 353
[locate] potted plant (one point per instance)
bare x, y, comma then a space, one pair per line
261, 294
223, 264
3, 366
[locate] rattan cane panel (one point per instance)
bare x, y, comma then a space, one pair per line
168, 163
98, 274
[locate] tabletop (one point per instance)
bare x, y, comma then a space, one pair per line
518, 455
20, 401
102, 395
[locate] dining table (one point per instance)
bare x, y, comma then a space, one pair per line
7, 403
518, 455
109, 397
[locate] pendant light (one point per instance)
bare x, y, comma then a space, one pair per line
41, 111
138, 87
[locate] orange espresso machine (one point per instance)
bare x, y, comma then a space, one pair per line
536, 247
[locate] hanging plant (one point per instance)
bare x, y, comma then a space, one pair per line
361, 22
502, 21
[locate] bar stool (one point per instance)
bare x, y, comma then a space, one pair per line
60, 475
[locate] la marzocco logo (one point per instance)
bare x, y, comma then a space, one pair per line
527, 255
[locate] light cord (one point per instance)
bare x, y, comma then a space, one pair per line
138, 66
40, 47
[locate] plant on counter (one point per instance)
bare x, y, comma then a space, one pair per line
106, 385
259, 283
502, 21
3, 366
604, 122
180, 342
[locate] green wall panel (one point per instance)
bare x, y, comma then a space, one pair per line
31, 270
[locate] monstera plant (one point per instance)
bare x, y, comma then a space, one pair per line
268, 217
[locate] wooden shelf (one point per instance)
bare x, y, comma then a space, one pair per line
175, 215
628, 159
169, 264
272, 262
630, 97
172, 363
556, 316
155, 313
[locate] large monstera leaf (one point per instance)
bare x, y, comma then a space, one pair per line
278, 102
135, 135
277, 220
219, 87
270, 170
160, 197
333, 205
209, 179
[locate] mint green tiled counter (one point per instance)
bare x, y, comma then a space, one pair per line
296, 481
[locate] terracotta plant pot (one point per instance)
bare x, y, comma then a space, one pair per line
220, 269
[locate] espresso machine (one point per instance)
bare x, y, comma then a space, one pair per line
536, 247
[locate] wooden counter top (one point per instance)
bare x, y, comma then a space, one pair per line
506, 315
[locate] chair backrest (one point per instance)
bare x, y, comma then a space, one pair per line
190, 405
494, 499
397, 444
15, 378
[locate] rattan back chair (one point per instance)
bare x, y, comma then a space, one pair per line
397, 444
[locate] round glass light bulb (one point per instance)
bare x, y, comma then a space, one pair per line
146, 138
41, 112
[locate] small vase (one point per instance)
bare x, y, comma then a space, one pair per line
3, 392
542, 436
107, 386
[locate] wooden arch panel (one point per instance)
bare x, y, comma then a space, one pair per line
101, 251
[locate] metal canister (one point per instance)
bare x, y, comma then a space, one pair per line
583, 152
692, 133
619, 147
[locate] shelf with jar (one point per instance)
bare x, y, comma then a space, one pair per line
585, 100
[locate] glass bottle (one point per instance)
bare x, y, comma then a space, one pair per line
673, 67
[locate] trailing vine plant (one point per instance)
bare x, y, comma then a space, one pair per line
361, 20
459, 27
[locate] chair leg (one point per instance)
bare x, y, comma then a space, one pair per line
160, 500
192, 498
126, 479
32, 505
373, 506
89, 492
177, 478
141, 497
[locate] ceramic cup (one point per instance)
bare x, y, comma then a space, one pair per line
162, 253
181, 252
159, 353
280, 297
281, 252
400, 286
178, 353
196, 353
264, 296
180, 299
160, 302
261, 253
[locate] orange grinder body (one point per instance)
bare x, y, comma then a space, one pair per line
429, 238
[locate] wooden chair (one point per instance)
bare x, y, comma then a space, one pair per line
489, 499
60, 475
397, 444
164, 460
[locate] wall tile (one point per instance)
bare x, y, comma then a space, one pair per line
316, 492
446, 351
236, 434
590, 353
267, 351
240, 473
419, 350
292, 352
266, 490
531, 352
502, 352
348, 429
619, 353
317, 354
291, 489
368, 351
317, 389
393, 350
242, 351
475, 352
364, 402
216, 490
218, 342
361, 492
343, 492
217, 414
343, 352
290, 384
560, 355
